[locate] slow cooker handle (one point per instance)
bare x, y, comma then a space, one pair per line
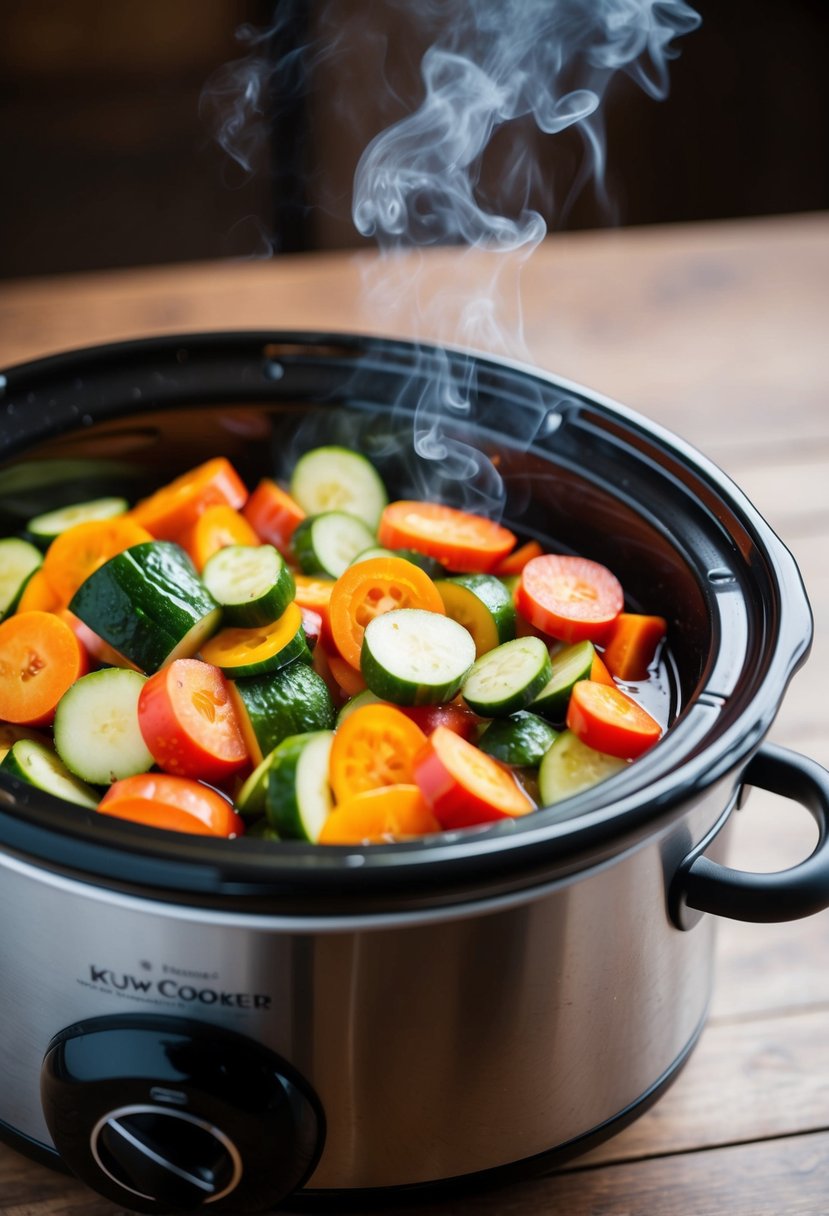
701, 885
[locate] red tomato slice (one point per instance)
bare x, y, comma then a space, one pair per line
273, 514
460, 540
188, 721
454, 717
465, 786
178, 804
608, 720
571, 598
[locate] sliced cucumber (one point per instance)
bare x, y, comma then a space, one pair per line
414, 657
373, 551
18, 562
97, 735
250, 582
255, 652
328, 543
10, 732
569, 665
522, 739
339, 479
292, 701
44, 528
482, 604
149, 603
250, 800
570, 766
38, 765
508, 678
299, 799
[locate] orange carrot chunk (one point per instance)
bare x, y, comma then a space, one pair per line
176, 506
273, 514
40, 658
632, 645
459, 540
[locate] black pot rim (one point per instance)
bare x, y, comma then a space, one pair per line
712, 739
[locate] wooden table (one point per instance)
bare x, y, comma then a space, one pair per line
719, 332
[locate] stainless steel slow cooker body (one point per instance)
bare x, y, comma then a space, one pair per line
206, 1022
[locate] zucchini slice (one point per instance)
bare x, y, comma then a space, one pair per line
18, 561
291, 701
250, 582
38, 765
568, 666
508, 678
97, 735
522, 739
298, 799
43, 529
328, 543
338, 479
570, 766
149, 603
255, 652
414, 657
483, 605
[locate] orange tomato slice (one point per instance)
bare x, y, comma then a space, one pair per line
464, 786
374, 746
390, 813
609, 721
460, 540
370, 588
571, 598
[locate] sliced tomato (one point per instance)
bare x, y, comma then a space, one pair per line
571, 598
178, 804
458, 718
609, 721
374, 746
188, 721
464, 786
370, 588
273, 514
459, 540
390, 813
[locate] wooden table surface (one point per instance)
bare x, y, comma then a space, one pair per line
719, 332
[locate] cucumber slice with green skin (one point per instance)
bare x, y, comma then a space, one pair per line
299, 798
428, 564
251, 583
250, 800
338, 479
482, 604
508, 678
570, 766
18, 561
569, 665
414, 657
38, 765
292, 701
373, 551
150, 604
523, 739
328, 543
97, 735
43, 529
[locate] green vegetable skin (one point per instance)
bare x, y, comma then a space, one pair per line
292, 701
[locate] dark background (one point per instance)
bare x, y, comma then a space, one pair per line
107, 161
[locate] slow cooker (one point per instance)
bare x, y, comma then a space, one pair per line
192, 1022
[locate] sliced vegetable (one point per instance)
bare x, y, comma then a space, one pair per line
18, 562
452, 715
291, 701
253, 652
338, 479
610, 721
571, 598
273, 514
44, 528
74, 555
568, 665
392, 813
149, 603
216, 528
250, 582
508, 678
521, 740
10, 733
369, 589
189, 722
570, 766
632, 645
314, 593
515, 562
374, 746
459, 540
366, 697
40, 658
413, 657
38, 594
97, 735
250, 799
298, 798
327, 544
175, 507
483, 605
464, 786
349, 681
599, 672
178, 804
37, 764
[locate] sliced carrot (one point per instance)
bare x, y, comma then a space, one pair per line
389, 813
515, 562
40, 658
463, 785
349, 681
81, 549
39, 595
374, 746
610, 721
190, 805
570, 598
273, 514
459, 540
599, 672
216, 527
632, 643
176, 506
370, 588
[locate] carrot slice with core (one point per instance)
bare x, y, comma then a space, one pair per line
40, 658
459, 540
